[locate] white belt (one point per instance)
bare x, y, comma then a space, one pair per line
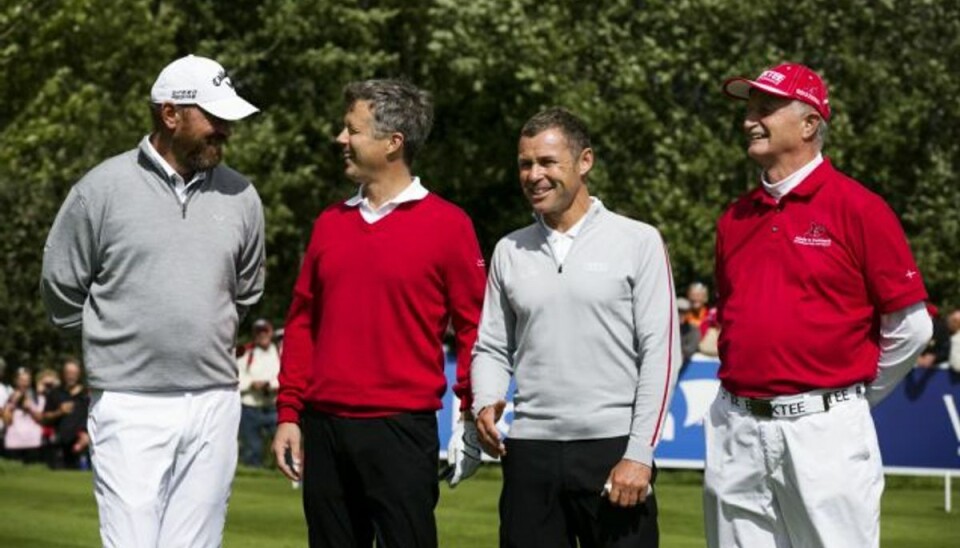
797, 405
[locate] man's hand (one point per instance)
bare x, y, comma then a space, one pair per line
463, 451
83, 441
66, 408
628, 483
287, 439
487, 429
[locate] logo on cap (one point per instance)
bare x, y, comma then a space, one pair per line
772, 76
222, 78
182, 94
806, 94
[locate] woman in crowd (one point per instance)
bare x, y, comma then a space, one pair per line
21, 418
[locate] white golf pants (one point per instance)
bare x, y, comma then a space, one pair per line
812, 481
163, 464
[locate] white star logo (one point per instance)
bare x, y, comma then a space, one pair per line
911, 274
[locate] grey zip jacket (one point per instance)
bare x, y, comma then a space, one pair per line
593, 343
156, 287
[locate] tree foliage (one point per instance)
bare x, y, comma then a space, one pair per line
75, 76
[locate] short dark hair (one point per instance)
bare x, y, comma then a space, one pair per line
155, 116
573, 128
398, 106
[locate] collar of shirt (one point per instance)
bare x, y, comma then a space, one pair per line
571, 233
561, 242
414, 191
174, 178
782, 188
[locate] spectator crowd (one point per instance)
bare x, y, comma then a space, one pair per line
44, 411
45, 416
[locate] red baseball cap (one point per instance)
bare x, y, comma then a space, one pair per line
788, 80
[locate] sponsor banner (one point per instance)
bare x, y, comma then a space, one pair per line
682, 445
918, 425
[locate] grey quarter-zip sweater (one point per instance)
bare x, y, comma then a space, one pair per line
593, 344
157, 287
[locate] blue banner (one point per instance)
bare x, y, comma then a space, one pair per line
918, 425
682, 445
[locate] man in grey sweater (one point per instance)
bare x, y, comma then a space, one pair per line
154, 257
580, 311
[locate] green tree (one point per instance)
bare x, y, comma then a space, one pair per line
645, 74
73, 82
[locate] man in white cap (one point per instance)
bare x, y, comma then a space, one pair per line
822, 312
154, 257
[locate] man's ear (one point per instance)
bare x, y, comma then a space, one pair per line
169, 115
585, 162
395, 144
810, 124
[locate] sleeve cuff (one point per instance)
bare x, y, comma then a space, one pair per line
287, 414
904, 301
639, 452
481, 401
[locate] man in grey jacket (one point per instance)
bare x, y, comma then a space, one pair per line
154, 257
580, 310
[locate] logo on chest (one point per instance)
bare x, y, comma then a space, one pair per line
815, 236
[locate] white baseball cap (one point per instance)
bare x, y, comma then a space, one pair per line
193, 80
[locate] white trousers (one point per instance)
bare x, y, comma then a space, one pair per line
162, 466
813, 481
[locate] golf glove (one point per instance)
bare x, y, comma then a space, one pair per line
463, 452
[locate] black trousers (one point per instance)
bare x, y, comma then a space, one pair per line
366, 479
551, 497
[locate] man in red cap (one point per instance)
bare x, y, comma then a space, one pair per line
822, 310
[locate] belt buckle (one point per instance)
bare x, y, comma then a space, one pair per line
759, 408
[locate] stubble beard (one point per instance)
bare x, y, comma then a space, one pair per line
205, 156
203, 153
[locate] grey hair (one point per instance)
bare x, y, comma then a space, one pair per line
699, 286
822, 129
398, 107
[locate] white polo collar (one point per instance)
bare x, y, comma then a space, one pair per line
782, 188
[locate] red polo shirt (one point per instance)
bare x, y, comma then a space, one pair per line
802, 284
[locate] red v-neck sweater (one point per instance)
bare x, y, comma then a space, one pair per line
363, 336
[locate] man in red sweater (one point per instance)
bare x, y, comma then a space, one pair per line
362, 369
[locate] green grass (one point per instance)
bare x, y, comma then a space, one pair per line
44, 509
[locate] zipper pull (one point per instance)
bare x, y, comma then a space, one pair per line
560, 269
183, 209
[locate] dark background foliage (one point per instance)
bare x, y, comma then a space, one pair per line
75, 77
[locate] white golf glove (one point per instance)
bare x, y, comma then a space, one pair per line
463, 452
